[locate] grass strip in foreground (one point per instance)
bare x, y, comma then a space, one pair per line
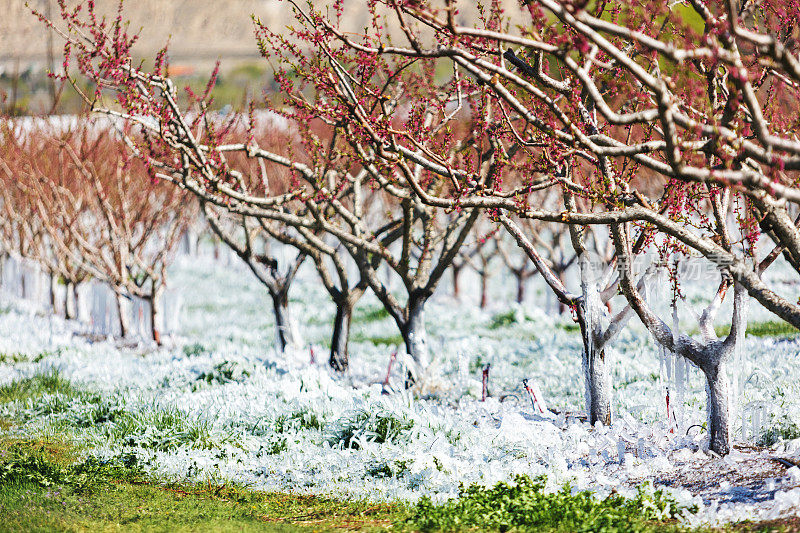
44, 488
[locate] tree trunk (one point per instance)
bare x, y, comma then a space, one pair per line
341, 335
70, 301
416, 341
595, 373
23, 284
77, 299
123, 308
283, 330
156, 312
718, 390
598, 388
484, 288
456, 277
520, 288
53, 292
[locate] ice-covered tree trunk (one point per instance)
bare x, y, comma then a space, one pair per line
520, 288
456, 270
284, 333
597, 383
718, 390
341, 334
598, 387
53, 291
23, 282
76, 297
415, 338
123, 310
591, 313
484, 289
710, 354
71, 301
156, 312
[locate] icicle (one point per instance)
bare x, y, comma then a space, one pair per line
738, 379
739, 358
676, 372
680, 389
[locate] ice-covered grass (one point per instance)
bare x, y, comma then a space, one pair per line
220, 403
524, 504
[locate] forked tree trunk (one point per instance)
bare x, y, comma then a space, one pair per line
156, 312
123, 308
341, 335
718, 390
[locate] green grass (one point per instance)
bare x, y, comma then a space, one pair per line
369, 315
47, 486
769, 328
377, 340
504, 319
13, 358
225, 372
194, 349
34, 387
569, 327
44, 488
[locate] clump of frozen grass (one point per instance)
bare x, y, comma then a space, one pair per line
67, 406
194, 349
50, 397
161, 429
525, 505
101, 411
363, 425
507, 318
303, 419
110, 420
388, 469
225, 372
274, 446
784, 429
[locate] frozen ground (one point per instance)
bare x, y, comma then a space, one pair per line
221, 403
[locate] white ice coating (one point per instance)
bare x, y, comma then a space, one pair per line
597, 319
